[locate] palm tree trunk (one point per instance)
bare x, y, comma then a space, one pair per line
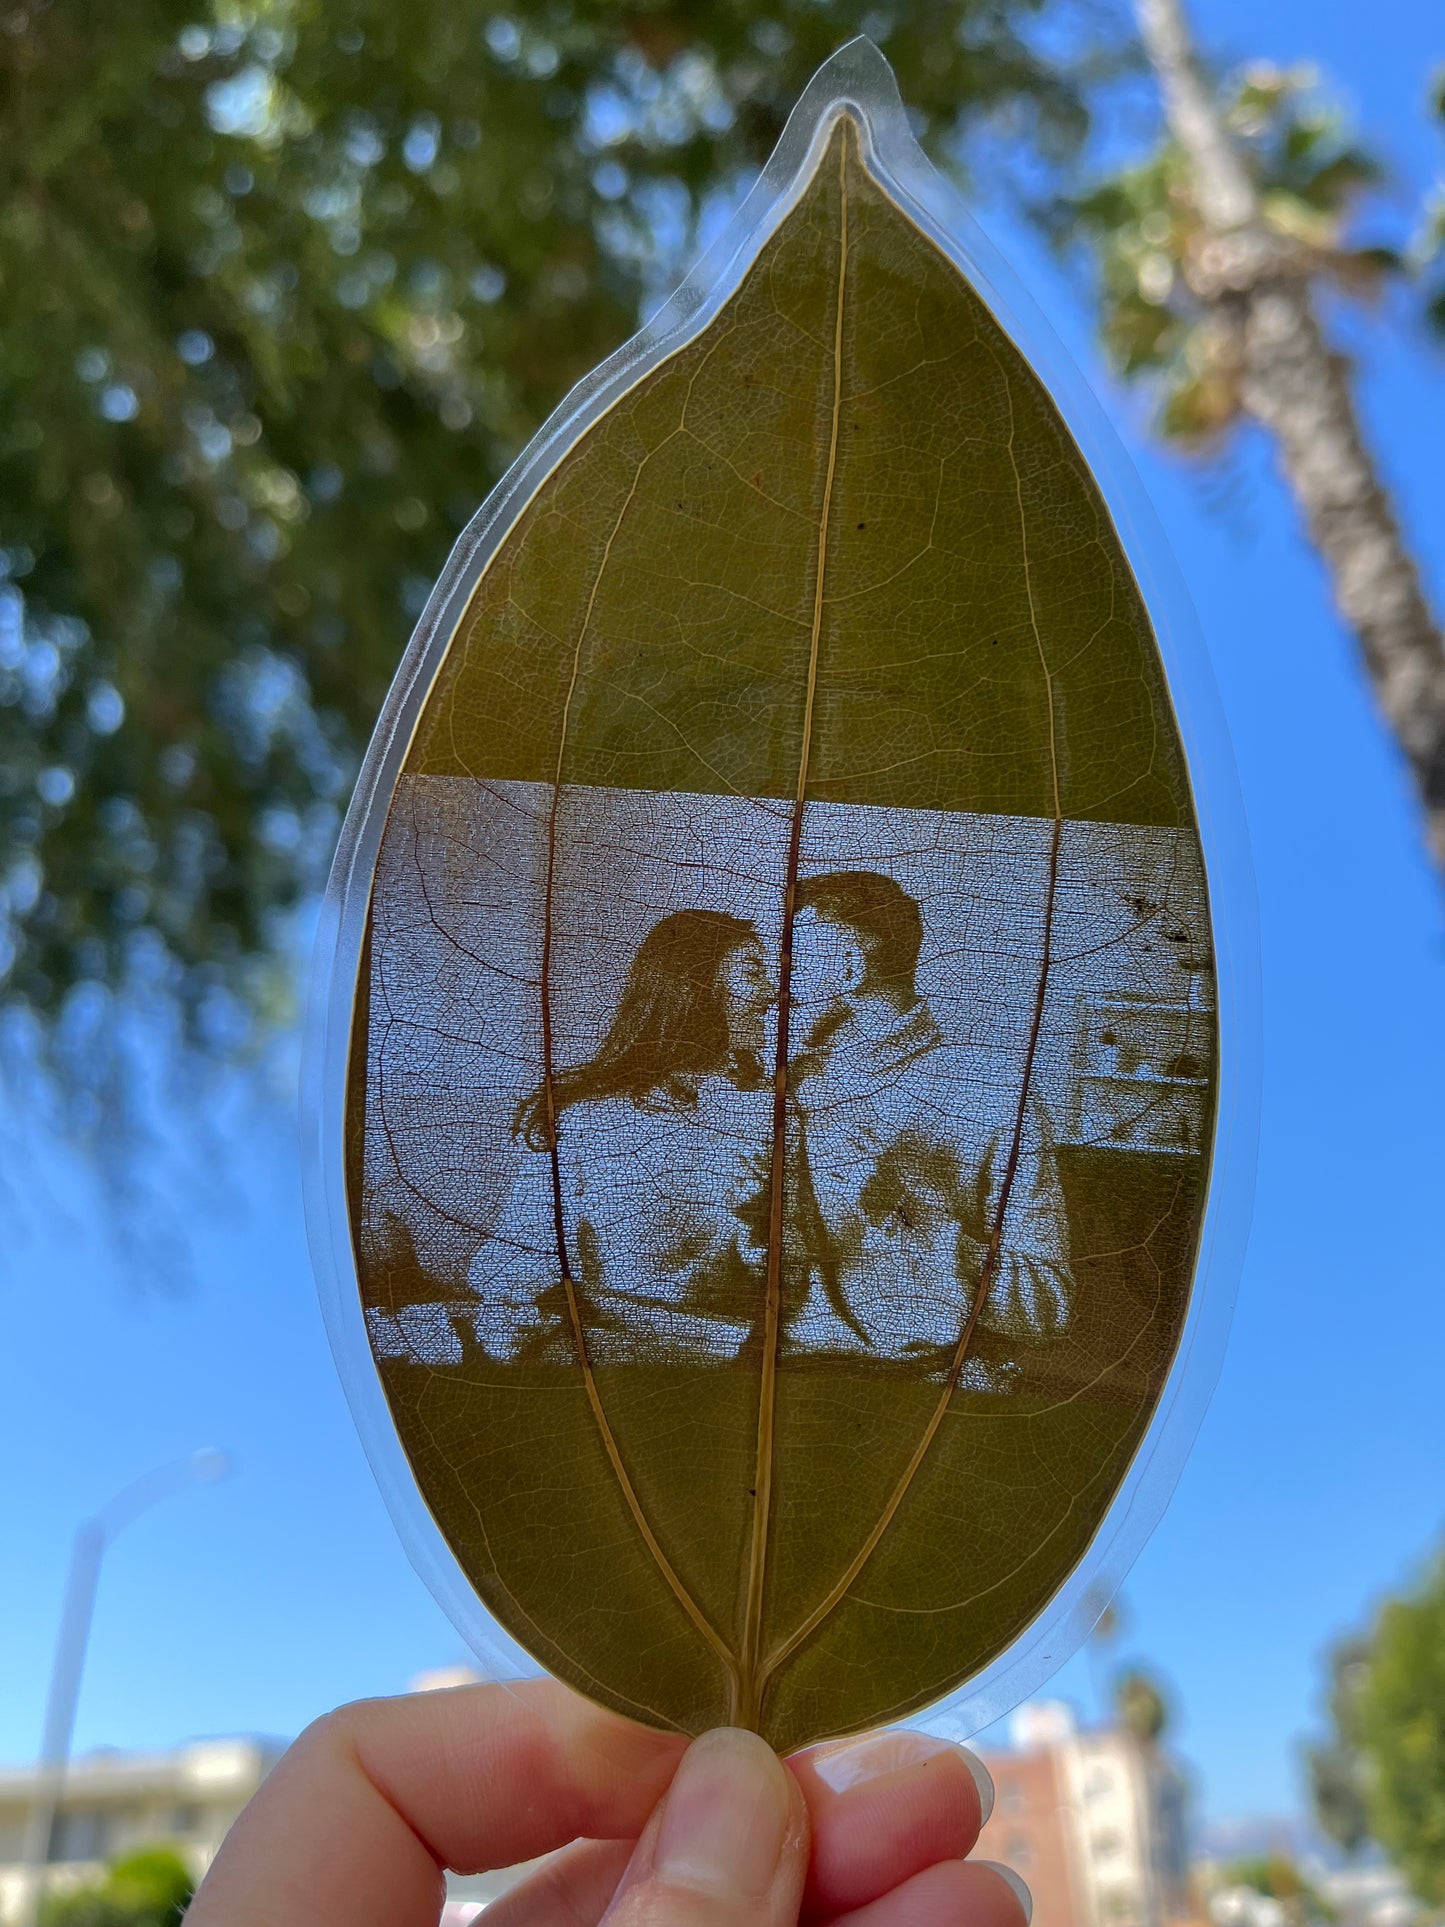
1298, 388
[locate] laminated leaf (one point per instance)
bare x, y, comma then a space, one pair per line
781, 1091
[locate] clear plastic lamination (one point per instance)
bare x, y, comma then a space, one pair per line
1062, 986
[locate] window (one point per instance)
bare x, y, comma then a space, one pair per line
1142, 1071
82, 1834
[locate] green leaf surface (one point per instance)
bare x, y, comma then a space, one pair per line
782, 1080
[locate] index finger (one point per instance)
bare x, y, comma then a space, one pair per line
358, 1821
885, 1807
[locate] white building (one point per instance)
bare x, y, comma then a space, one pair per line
115, 1802
1127, 1805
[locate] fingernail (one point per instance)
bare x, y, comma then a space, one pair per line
726, 1817
1016, 1882
853, 1762
983, 1780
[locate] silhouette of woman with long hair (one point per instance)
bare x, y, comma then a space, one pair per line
661, 1148
693, 1006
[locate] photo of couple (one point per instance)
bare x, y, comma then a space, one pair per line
633, 1190
647, 1169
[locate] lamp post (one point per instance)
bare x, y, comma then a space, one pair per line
95, 1534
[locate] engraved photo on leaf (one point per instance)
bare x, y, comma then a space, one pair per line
783, 1071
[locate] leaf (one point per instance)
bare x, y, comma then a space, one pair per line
782, 1075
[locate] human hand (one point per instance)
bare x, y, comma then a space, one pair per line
356, 1825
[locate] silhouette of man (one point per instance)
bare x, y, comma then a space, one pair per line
902, 1150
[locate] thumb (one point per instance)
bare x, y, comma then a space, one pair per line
728, 1846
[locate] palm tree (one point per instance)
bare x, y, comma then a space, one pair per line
1210, 255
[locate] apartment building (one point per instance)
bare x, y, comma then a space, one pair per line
1092, 1819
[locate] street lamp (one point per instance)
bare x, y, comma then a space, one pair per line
95, 1534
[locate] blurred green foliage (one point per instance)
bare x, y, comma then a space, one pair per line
1338, 1768
1276, 1876
1141, 1705
1403, 1726
286, 286
1142, 232
1430, 247
151, 1888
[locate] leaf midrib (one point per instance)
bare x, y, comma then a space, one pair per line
752, 1670
750, 1673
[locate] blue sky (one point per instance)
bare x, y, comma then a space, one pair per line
1317, 1480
